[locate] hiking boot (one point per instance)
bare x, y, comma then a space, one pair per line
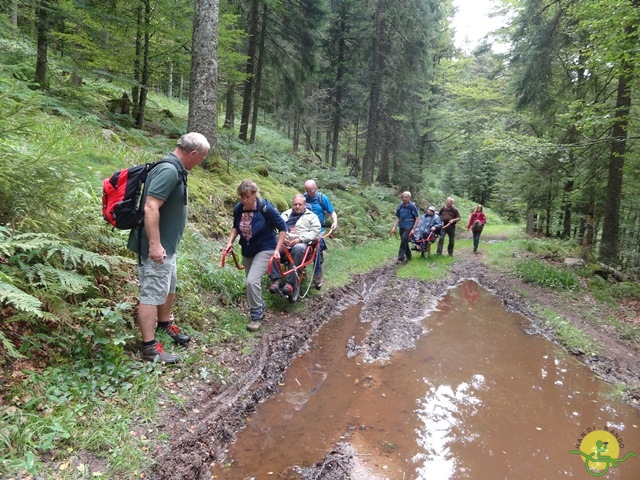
174, 332
155, 353
254, 326
287, 289
275, 287
317, 281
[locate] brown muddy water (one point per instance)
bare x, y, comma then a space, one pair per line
477, 398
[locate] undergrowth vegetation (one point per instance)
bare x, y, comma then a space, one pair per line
544, 275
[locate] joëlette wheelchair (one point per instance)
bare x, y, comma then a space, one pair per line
303, 283
309, 260
422, 242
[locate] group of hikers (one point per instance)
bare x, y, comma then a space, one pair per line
265, 236
418, 232
255, 222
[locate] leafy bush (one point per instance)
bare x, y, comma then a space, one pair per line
544, 275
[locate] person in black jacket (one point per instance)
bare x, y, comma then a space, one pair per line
450, 216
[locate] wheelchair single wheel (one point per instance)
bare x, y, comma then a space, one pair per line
296, 291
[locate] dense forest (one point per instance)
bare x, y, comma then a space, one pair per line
545, 132
369, 97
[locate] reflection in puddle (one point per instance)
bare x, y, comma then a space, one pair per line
442, 409
477, 398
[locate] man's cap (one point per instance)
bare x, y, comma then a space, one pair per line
432, 208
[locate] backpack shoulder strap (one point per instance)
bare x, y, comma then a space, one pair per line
182, 178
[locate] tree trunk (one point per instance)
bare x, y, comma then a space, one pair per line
135, 91
377, 66
610, 243
44, 22
14, 13
230, 108
258, 80
296, 130
383, 170
144, 80
327, 146
530, 228
248, 83
566, 224
318, 138
337, 102
203, 96
170, 80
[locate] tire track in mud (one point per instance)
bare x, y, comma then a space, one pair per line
221, 416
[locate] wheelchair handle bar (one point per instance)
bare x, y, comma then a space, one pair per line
235, 259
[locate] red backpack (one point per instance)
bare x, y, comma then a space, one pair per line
122, 195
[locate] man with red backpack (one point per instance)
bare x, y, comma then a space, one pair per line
165, 217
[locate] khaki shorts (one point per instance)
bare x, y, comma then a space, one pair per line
157, 280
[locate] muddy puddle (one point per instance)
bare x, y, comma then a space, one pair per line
477, 398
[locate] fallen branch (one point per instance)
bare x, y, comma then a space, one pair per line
614, 273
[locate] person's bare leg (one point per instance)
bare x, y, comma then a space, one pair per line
164, 310
147, 318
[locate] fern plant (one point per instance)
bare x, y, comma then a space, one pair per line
37, 265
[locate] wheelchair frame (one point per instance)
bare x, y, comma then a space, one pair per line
423, 245
311, 256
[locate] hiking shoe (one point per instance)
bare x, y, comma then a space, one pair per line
155, 353
317, 281
275, 287
254, 326
174, 332
287, 289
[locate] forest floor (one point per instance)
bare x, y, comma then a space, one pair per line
213, 413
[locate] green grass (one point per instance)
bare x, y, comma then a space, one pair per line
574, 339
343, 262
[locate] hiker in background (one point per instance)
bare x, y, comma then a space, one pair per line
477, 220
255, 221
450, 216
303, 227
320, 204
165, 217
407, 217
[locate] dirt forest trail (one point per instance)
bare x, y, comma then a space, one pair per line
213, 413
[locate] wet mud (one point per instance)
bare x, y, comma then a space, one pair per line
392, 310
